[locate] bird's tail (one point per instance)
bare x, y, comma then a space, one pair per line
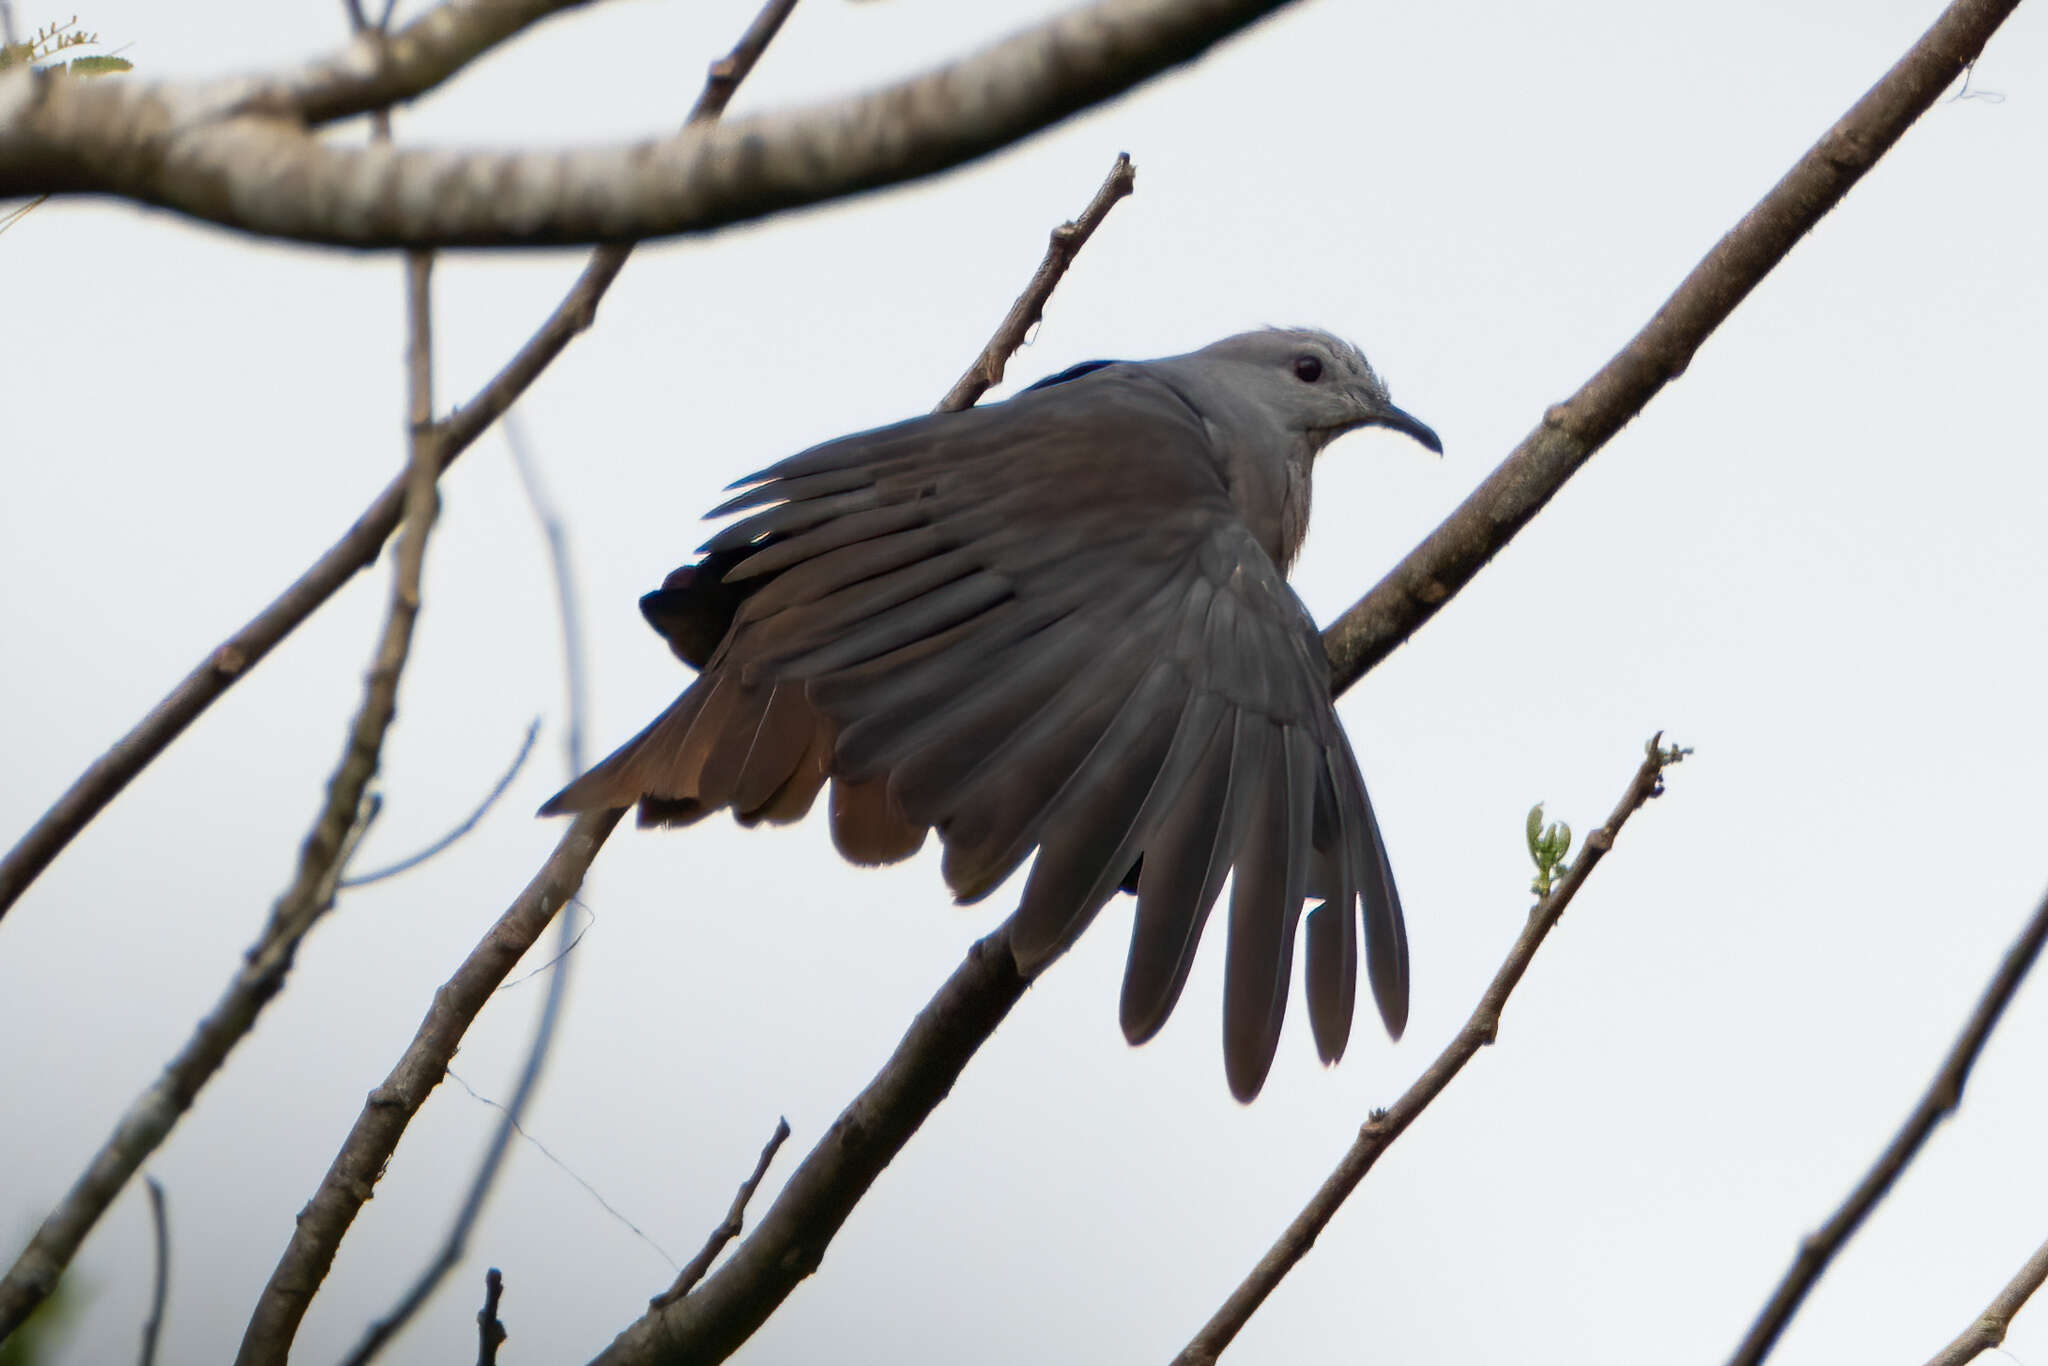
758, 748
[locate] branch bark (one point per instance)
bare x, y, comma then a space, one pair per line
149, 1119
1940, 1100
1990, 1328
205, 152
1385, 1126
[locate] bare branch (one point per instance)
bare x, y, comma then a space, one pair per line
735, 1222
457, 1239
1067, 240
160, 1290
1940, 1099
490, 1334
1991, 1325
360, 1163
1387, 1125
316, 1237
711, 1322
171, 145
150, 1117
469, 822
1573, 430
359, 547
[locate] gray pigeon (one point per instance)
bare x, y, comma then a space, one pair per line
1057, 623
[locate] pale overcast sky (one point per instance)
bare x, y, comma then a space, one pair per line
1819, 559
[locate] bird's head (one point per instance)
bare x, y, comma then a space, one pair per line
1311, 383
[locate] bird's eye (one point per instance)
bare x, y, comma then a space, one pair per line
1307, 369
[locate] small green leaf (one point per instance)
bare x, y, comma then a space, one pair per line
1547, 849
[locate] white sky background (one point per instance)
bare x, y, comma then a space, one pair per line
1819, 558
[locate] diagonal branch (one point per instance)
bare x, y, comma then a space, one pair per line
1939, 1101
179, 147
359, 547
874, 1128
149, 1119
1387, 1125
1989, 1330
1573, 430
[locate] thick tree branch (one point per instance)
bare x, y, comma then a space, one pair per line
148, 1121
1573, 430
179, 147
1942, 1096
1990, 1327
1387, 1125
359, 547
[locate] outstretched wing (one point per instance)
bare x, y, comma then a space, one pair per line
1043, 627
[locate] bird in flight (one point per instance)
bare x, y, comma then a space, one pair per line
1060, 623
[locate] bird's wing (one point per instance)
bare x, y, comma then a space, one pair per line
1041, 625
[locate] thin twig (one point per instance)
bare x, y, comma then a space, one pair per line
735, 1222
469, 823
1940, 1099
563, 571
492, 1161
149, 1119
357, 549
489, 1332
160, 1291
317, 1234
1385, 1126
1067, 240
1990, 1328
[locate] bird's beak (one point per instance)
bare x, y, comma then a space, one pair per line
1407, 424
